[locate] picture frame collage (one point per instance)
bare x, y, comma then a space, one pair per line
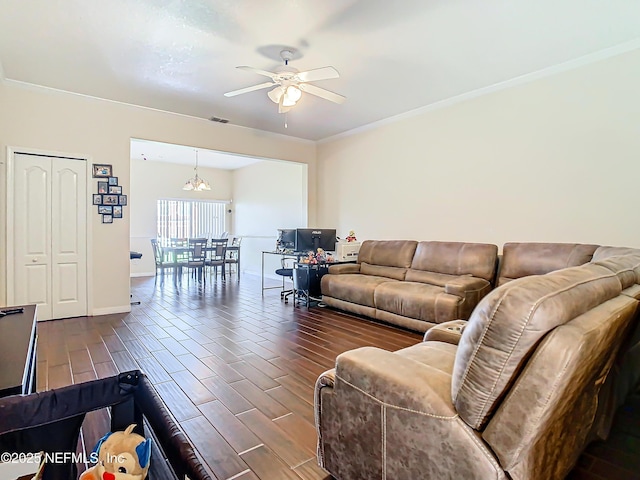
110, 199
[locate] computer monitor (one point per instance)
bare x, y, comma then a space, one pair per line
310, 239
286, 239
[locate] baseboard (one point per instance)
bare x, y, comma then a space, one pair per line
110, 310
143, 274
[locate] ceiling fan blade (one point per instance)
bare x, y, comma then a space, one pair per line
323, 73
249, 89
258, 71
322, 93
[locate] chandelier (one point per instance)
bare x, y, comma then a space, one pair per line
196, 183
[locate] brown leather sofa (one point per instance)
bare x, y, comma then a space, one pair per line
515, 398
412, 284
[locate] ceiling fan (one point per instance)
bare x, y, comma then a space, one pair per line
289, 83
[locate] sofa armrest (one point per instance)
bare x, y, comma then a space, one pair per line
396, 381
470, 289
389, 416
344, 268
464, 284
449, 332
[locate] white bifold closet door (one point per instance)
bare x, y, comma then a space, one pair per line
50, 235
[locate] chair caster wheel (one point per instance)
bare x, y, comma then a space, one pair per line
286, 300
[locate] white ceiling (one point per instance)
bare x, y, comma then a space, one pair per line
147, 150
393, 57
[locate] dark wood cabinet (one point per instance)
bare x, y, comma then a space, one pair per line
18, 351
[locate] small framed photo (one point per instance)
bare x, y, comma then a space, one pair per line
117, 211
113, 180
115, 190
97, 199
122, 199
107, 218
110, 199
103, 187
105, 209
101, 171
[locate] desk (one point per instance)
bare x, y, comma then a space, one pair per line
282, 255
306, 281
18, 352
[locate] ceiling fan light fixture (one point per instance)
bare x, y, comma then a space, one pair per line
293, 94
275, 94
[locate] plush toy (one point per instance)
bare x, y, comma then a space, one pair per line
352, 236
121, 456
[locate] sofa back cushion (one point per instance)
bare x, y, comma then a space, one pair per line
604, 252
543, 424
624, 266
456, 258
387, 253
524, 259
506, 325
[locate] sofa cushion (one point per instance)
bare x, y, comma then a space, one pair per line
387, 253
507, 324
355, 287
421, 301
524, 259
456, 258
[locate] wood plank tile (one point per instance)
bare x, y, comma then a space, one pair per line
232, 429
106, 369
80, 361
263, 402
124, 361
222, 369
59, 376
220, 457
231, 399
152, 368
275, 438
99, 352
195, 366
267, 465
192, 387
294, 403
301, 431
311, 471
178, 402
256, 376
168, 361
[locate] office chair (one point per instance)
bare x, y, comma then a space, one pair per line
286, 272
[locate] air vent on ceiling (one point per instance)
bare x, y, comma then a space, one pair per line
219, 120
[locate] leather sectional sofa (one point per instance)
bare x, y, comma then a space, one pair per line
516, 393
412, 284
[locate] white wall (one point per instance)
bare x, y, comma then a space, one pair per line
151, 181
267, 196
48, 120
557, 159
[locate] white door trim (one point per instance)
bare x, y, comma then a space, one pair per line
11, 150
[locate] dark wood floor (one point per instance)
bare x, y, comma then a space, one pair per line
237, 371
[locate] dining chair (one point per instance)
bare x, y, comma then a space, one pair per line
181, 257
197, 256
217, 255
162, 263
233, 255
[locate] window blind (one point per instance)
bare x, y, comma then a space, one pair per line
190, 218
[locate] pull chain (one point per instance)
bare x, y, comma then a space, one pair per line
285, 121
